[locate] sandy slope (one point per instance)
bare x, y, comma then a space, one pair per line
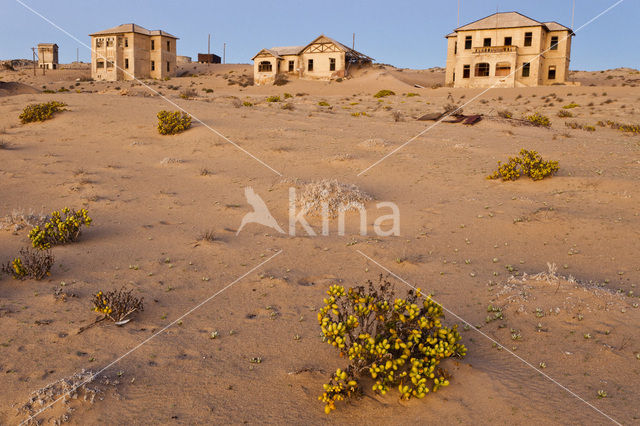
459, 232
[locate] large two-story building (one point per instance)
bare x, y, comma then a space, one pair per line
130, 51
508, 50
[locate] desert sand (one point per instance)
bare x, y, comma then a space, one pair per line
470, 241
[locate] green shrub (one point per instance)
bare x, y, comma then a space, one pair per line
529, 163
324, 103
288, 106
384, 93
288, 95
538, 119
63, 226
117, 305
170, 123
273, 99
571, 105
505, 114
411, 94
397, 342
247, 104
31, 263
41, 112
188, 94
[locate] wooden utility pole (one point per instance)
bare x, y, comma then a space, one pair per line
353, 43
209, 45
573, 13
33, 50
77, 55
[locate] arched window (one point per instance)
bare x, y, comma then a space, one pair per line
503, 69
265, 66
482, 69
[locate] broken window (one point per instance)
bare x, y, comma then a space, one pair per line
126, 42
332, 64
554, 43
487, 42
455, 48
467, 42
310, 65
482, 69
528, 39
99, 42
526, 69
168, 66
466, 71
265, 66
126, 63
153, 44
100, 64
110, 42
552, 72
153, 65
508, 41
291, 64
168, 45
109, 64
503, 69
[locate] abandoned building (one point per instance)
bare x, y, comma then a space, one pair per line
322, 59
130, 51
48, 56
508, 49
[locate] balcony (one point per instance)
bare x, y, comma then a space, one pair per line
495, 49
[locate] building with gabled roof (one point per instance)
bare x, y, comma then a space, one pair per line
322, 59
508, 49
130, 51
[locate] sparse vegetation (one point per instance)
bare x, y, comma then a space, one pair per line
384, 93
571, 105
324, 103
188, 94
117, 305
171, 123
288, 106
41, 112
30, 263
538, 119
247, 104
396, 342
505, 114
273, 98
397, 116
563, 113
62, 227
630, 128
528, 163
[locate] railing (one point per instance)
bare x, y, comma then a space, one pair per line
495, 49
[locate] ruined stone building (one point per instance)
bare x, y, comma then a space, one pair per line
508, 50
322, 59
130, 51
48, 56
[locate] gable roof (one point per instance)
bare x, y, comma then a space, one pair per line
510, 20
132, 28
278, 52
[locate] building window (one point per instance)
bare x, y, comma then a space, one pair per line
291, 64
169, 45
528, 39
454, 76
265, 66
153, 45
126, 63
554, 43
455, 48
168, 66
310, 65
508, 41
526, 69
503, 69
487, 42
467, 42
153, 65
110, 42
109, 64
552, 72
482, 70
126, 42
100, 64
332, 64
99, 42
466, 71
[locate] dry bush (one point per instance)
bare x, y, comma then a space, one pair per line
31, 263
188, 94
236, 103
397, 116
288, 106
563, 113
280, 80
207, 235
117, 305
450, 108
505, 114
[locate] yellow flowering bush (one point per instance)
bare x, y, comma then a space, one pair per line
171, 123
528, 163
34, 264
538, 119
117, 305
63, 226
397, 342
40, 112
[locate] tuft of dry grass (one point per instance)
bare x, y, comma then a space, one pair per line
207, 235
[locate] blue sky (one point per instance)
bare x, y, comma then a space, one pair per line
402, 33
